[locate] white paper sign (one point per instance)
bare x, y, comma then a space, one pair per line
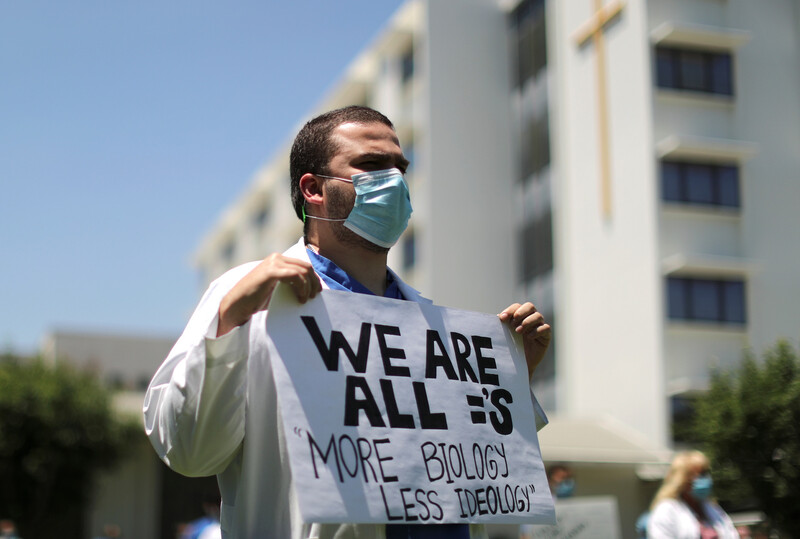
399, 412
593, 517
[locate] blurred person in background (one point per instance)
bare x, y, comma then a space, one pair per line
8, 530
682, 507
562, 485
110, 531
641, 525
212, 531
561, 481
208, 525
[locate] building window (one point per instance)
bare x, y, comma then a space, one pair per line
227, 252
694, 70
535, 146
706, 300
409, 251
525, 11
529, 40
684, 412
698, 183
260, 218
407, 65
536, 242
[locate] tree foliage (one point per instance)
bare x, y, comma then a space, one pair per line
749, 425
56, 429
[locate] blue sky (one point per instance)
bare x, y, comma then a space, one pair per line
126, 127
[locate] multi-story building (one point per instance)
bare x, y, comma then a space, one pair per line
631, 166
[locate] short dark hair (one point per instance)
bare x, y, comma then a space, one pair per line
313, 148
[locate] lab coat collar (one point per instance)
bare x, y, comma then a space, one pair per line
299, 251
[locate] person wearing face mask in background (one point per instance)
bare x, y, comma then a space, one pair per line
562, 486
561, 481
212, 408
682, 508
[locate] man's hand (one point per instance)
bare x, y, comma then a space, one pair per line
536, 333
253, 292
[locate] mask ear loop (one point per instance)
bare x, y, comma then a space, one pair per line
303, 209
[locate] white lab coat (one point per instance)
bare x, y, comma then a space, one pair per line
212, 409
673, 519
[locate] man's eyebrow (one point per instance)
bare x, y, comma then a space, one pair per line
381, 156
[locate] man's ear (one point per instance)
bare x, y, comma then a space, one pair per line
311, 188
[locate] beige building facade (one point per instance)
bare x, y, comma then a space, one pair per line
630, 166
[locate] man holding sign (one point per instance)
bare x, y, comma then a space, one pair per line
223, 402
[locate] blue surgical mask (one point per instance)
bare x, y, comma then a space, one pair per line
565, 488
701, 487
382, 207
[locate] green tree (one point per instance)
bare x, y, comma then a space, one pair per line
749, 425
57, 429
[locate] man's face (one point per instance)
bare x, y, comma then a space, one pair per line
359, 148
559, 476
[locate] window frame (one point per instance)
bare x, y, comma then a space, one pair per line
677, 59
717, 174
409, 250
407, 65
536, 242
683, 307
528, 41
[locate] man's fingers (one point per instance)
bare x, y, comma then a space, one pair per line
299, 284
539, 331
529, 321
508, 313
253, 292
303, 281
516, 313
524, 319
530, 324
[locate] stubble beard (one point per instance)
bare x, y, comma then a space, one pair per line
339, 207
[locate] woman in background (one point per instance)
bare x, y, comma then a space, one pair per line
682, 508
